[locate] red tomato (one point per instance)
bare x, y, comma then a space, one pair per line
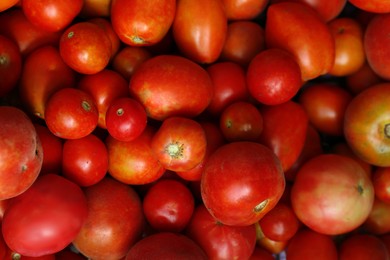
10, 65
166, 245
273, 77
85, 47
363, 78
21, 152
168, 205
363, 247
332, 194
179, 144
85, 160
261, 254
96, 8
44, 73
71, 113
244, 10
241, 121
134, 162
220, 241
140, 23
51, 15
308, 244
199, 29
272, 246
169, 85
373, 6
106, 25
381, 181
241, 182
114, 223
45, 218
126, 119
377, 222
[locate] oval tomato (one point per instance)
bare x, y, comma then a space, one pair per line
244, 10
128, 59
10, 65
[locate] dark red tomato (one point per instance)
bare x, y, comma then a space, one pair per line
96, 8
284, 131
44, 73
179, 144
85, 160
325, 105
51, 15
126, 119
241, 182
244, 10
241, 121
168, 205
273, 77
377, 222
362, 79
261, 254
381, 181
85, 47
3, 247
308, 244
199, 29
229, 85
15, 26
166, 245
10, 65
244, 40
169, 85
106, 25
71, 113
134, 162
280, 223
52, 150
115, 221
220, 241
363, 247
386, 240
46, 218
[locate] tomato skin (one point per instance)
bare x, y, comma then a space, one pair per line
7, 4
363, 247
106, 25
244, 10
231, 181
374, 6
377, 221
363, 78
10, 65
381, 182
59, 211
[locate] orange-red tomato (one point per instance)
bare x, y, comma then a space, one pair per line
10, 65
244, 9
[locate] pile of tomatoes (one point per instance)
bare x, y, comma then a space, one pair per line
207, 129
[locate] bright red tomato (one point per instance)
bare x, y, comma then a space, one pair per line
106, 25
244, 10
10, 65
363, 247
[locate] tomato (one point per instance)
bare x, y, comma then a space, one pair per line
179, 144
134, 162
325, 105
220, 241
170, 85
241, 182
199, 29
51, 15
106, 25
381, 182
44, 73
244, 10
10, 65
362, 247
377, 222
309, 40
85, 47
21, 152
367, 125
363, 78
45, 218
126, 119
166, 245
114, 223
332, 194
7, 4
139, 23
308, 244
374, 6
272, 246
273, 77
284, 131
244, 39
261, 254
168, 205
241, 121
96, 8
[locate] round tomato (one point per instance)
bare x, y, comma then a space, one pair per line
377, 222
381, 181
128, 59
364, 247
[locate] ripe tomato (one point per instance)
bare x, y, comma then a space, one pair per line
241, 182
6, 4
244, 10
168, 205
272, 246
261, 254
332, 194
45, 218
179, 144
363, 78
96, 8
106, 25
363, 247
220, 241
373, 6
377, 222
381, 181
10, 65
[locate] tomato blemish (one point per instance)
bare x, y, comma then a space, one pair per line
259, 207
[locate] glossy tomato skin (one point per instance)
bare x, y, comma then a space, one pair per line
170, 85
114, 207
10, 65
79, 115
375, 6
106, 25
220, 241
244, 10
363, 246
21, 145
231, 181
51, 15
59, 211
199, 29
381, 182
377, 221
140, 23
332, 194
367, 123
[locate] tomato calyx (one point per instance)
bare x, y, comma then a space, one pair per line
259, 207
86, 106
70, 35
175, 150
16, 256
4, 60
120, 112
